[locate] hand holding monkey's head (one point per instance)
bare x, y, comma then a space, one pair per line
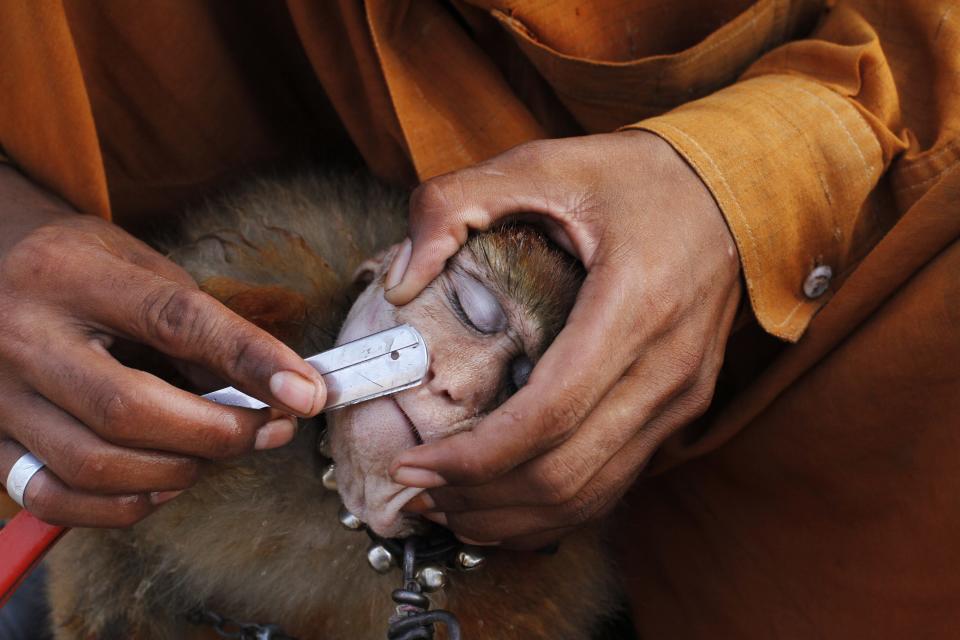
486, 321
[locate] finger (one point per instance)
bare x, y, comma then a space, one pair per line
190, 325
546, 542
133, 408
86, 462
494, 526
593, 501
563, 389
49, 499
558, 475
441, 218
445, 209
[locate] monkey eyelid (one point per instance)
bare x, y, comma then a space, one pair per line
514, 319
475, 304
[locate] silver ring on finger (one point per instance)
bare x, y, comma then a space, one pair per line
21, 473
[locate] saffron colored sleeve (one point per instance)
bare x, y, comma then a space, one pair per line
799, 152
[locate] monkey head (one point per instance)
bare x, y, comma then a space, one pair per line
486, 320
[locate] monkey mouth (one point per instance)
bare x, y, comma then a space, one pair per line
413, 428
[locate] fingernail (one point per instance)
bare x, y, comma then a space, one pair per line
399, 265
159, 497
275, 433
420, 503
438, 517
477, 543
415, 477
295, 391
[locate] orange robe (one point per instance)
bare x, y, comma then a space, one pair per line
818, 497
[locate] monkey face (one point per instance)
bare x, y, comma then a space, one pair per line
483, 342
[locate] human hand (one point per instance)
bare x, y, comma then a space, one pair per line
116, 441
639, 355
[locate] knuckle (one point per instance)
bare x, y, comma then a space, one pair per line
530, 153
113, 411
87, 470
225, 440
177, 473
557, 484
249, 358
176, 316
698, 398
188, 474
687, 361
430, 197
45, 505
476, 472
661, 304
565, 414
128, 511
36, 258
53, 252
583, 507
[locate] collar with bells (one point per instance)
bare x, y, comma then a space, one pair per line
424, 560
438, 550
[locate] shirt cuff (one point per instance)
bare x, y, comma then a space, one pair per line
790, 164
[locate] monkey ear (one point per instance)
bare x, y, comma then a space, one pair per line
279, 311
369, 269
365, 273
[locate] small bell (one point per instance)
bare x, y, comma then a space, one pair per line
469, 559
380, 558
330, 477
350, 521
431, 578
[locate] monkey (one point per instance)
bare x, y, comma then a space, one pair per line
258, 538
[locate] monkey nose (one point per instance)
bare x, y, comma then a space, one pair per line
437, 386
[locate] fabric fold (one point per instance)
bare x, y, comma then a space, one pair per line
791, 164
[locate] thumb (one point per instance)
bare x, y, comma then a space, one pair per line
416, 264
443, 211
442, 214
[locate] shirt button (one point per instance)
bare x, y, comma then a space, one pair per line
817, 282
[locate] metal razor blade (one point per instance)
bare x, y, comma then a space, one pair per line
377, 365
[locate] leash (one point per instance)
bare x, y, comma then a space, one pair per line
23, 543
413, 620
26, 539
229, 628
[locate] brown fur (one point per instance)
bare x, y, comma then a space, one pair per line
258, 538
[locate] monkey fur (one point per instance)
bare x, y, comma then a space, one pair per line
258, 538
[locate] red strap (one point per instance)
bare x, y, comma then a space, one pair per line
23, 543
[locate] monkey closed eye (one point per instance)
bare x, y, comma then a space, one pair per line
475, 304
